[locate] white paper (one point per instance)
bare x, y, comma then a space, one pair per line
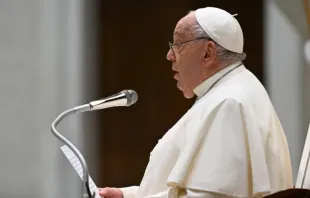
75, 162
303, 177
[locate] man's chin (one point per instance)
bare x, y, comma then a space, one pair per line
186, 94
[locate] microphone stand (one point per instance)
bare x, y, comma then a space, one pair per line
78, 109
123, 98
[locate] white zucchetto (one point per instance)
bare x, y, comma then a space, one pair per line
222, 27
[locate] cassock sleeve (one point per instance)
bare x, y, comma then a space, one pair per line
223, 152
130, 192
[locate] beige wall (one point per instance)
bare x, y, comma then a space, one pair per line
41, 76
286, 72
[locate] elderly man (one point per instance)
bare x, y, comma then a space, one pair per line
230, 143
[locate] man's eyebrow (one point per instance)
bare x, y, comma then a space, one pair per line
177, 35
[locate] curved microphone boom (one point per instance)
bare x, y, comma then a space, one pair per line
124, 98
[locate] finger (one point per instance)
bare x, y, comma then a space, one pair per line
105, 191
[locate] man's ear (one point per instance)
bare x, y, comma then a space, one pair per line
210, 53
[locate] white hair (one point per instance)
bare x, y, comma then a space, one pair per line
222, 53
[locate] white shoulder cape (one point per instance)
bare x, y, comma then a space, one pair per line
220, 150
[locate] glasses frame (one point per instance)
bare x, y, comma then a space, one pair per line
180, 43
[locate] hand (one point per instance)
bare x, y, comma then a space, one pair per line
111, 193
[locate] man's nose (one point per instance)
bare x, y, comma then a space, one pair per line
170, 55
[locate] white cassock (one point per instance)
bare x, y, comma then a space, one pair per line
229, 144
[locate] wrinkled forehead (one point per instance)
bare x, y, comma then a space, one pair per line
184, 28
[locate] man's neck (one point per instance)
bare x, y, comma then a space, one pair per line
212, 78
210, 72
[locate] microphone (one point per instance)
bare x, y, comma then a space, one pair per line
124, 98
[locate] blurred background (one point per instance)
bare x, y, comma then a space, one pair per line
57, 54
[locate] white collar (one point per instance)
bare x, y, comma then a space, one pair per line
204, 87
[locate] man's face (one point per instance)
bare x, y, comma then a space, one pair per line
186, 58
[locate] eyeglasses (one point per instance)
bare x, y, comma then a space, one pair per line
180, 43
